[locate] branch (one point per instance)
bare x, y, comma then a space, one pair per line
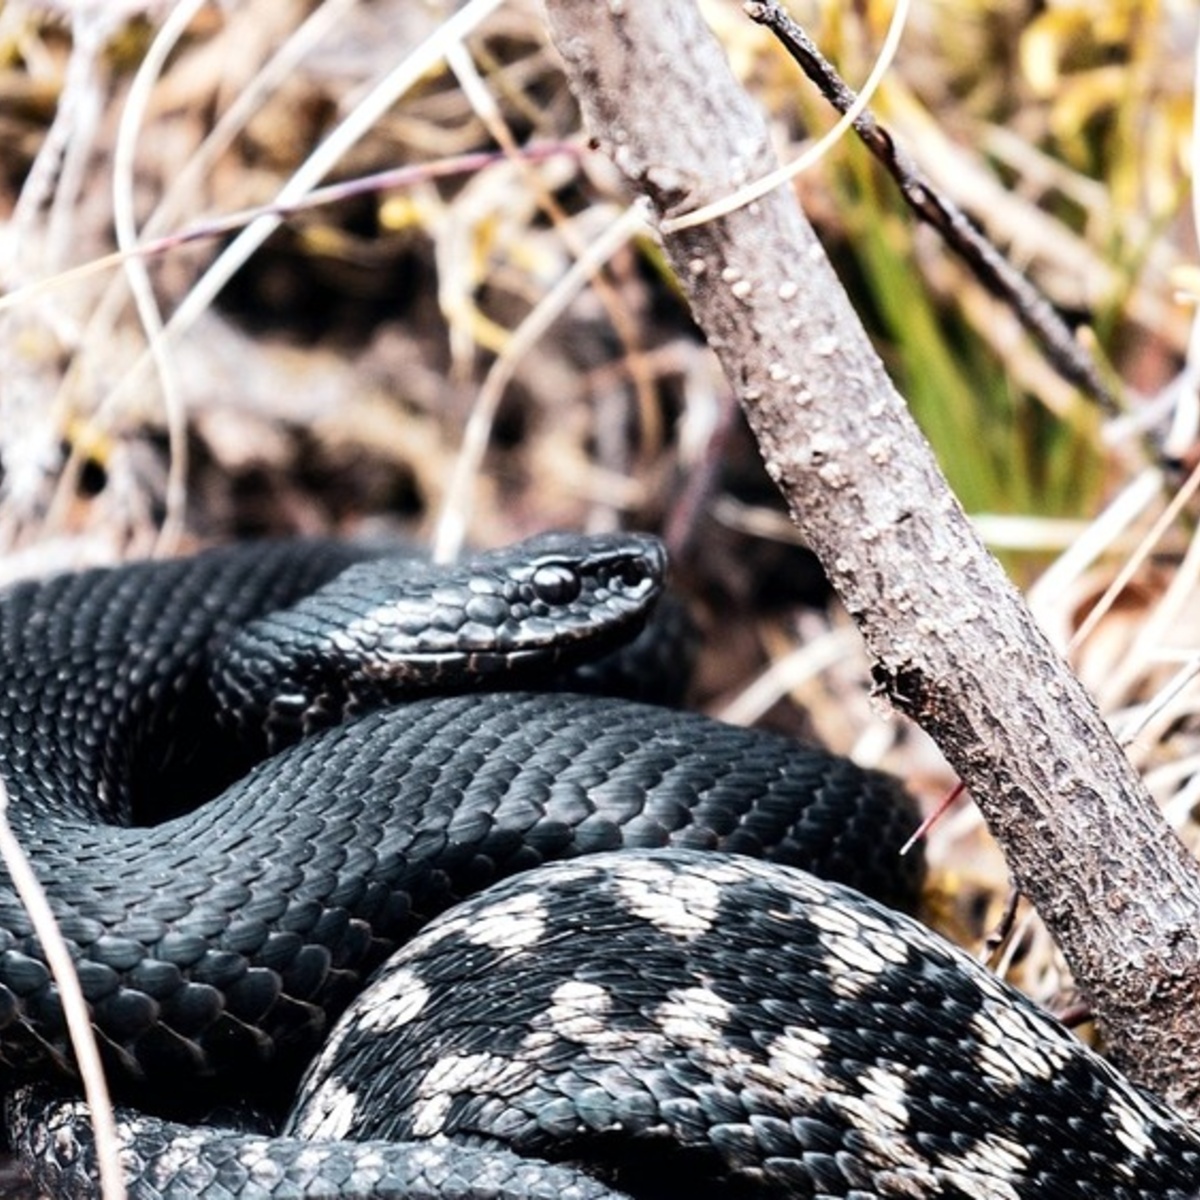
986, 263
952, 643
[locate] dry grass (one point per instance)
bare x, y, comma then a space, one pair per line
480, 355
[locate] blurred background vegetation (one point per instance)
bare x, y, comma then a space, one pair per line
326, 387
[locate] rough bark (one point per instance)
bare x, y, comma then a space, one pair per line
952, 642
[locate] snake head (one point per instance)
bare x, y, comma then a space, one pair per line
390, 628
559, 593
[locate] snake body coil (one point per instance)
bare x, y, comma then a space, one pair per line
763, 1033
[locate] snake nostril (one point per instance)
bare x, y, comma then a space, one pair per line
634, 573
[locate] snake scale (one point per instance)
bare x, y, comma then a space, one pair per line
594, 961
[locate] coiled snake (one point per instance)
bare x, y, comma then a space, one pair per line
663, 1017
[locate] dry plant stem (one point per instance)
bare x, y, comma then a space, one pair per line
208, 228
75, 1009
952, 643
989, 266
458, 502
378, 99
125, 225
624, 323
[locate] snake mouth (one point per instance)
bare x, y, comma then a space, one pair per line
483, 667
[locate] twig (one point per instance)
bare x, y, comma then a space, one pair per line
182, 192
625, 324
952, 644
1130, 567
999, 935
323, 159
125, 226
456, 507
74, 1006
217, 226
989, 266
747, 193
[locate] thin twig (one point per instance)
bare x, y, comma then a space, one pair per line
747, 193
218, 225
323, 159
999, 936
148, 310
1133, 564
181, 192
989, 266
452, 522
624, 323
75, 1009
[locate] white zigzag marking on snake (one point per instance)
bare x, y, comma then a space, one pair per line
456, 1073
513, 924
1014, 1047
578, 1012
980, 1171
694, 1016
682, 906
1131, 1127
331, 1114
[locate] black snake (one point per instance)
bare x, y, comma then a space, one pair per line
649, 1019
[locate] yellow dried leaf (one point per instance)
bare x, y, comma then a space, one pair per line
1185, 282
1047, 43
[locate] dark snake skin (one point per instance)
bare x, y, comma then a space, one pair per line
704, 1025
685, 1024
631, 988
215, 941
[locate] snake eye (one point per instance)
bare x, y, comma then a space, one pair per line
556, 584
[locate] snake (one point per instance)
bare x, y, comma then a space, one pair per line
325, 820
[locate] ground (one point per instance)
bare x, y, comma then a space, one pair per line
416, 356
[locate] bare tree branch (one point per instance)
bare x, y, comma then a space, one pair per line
951, 640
